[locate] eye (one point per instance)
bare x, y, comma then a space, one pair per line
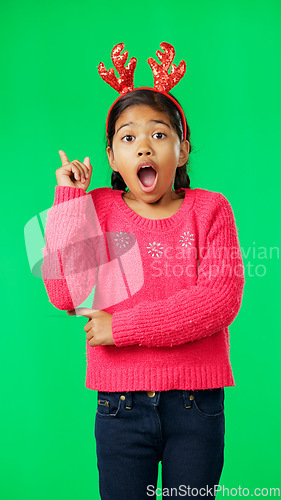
161, 134
128, 138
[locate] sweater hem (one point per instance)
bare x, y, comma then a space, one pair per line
164, 379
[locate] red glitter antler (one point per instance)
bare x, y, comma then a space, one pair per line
125, 83
162, 80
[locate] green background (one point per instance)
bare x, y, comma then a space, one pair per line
53, 98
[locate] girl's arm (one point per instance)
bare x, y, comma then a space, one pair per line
72, 232
200, 310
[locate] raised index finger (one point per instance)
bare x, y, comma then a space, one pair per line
64, 160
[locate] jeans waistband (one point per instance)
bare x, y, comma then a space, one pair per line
153, 397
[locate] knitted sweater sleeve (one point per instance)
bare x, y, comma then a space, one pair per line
69, 263
200, 310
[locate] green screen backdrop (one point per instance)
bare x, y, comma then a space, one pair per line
53, 98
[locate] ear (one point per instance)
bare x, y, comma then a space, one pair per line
184, 153
111, 160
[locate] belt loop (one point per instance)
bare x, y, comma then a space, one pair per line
128, 400
188, 398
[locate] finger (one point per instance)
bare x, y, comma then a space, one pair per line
86, 168
82, 169
93, 342
64, 160
88, 164
89, 335
82, 311
76, 170
88, 326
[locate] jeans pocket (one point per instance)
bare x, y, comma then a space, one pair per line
209, 403
109, 403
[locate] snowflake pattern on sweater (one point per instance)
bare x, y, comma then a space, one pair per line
186, 239
155, 249
122, 240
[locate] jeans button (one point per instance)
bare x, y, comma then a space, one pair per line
151, 394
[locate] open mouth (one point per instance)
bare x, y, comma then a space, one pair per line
147, 176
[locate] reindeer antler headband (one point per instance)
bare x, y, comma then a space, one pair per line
163, 82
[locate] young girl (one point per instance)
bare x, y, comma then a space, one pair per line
168, 271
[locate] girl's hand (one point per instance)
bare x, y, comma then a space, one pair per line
98, 328
74, 174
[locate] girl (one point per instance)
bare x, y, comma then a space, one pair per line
168, 271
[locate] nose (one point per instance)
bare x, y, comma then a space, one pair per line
144, 150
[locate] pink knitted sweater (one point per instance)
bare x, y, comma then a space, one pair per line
173, 285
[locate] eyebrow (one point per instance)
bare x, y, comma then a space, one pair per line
125, 125
153, 121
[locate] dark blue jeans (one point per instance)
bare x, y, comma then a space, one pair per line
136, 430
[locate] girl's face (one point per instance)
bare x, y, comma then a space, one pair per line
145, 136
